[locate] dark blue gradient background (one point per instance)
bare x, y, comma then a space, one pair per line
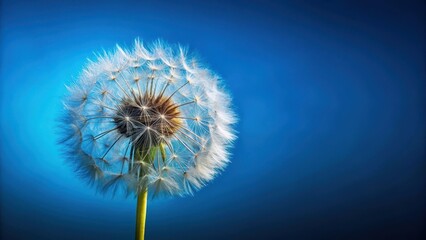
331, 100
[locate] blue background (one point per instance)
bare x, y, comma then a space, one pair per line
331, 100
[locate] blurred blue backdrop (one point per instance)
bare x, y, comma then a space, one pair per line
331, 100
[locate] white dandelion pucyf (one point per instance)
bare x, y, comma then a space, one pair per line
147, 120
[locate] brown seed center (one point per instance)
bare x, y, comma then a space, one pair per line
147, 118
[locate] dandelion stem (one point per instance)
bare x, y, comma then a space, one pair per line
141, 214
143, 193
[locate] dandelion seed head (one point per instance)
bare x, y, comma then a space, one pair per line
147, 118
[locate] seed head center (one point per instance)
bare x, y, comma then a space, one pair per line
148, 118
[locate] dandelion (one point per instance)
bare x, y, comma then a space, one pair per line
147, 120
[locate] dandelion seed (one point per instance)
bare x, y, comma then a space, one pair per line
157, 123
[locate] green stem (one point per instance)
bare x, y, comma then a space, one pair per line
142, 199
143, 194
141, 215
